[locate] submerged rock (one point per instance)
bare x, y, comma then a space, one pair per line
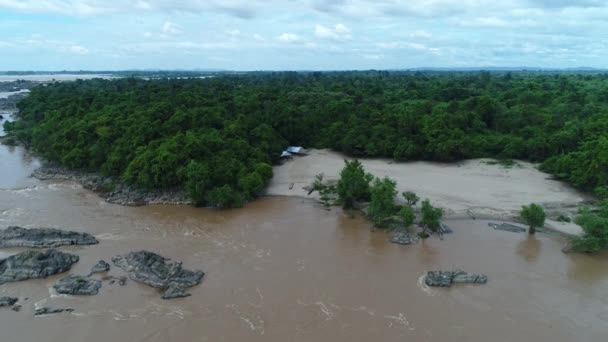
48, 311
43, 237
404, 238
447, 278
100, 267
77, 285
154, 270
175, 291
8, 301
35, 264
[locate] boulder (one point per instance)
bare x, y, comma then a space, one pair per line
47, 311
100, 267
154, 270
35, 264
43, 237
77, 285
447, 278
8, 301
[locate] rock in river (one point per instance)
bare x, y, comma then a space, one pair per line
404, 238
154, 270
35, 264
48, 311
100, 267
43, 237
175, 291
77, 285
447, 278
8, 301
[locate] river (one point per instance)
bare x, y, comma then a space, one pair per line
285, 269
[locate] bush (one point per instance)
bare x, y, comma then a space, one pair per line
224, 197
595, 231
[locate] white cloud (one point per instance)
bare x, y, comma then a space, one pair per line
407, 45
259, 37
80, 50
421, 34
171, 28
288, 38
233, 32
485, 21
373, 57
339, 32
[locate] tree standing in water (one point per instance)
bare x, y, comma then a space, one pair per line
431, 216
408, 216
382, 205
410, 198
534, 216
354, 184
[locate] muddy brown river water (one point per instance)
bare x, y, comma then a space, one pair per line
284, 269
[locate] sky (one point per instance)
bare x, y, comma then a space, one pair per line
301, 34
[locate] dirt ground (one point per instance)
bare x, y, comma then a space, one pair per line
473, 188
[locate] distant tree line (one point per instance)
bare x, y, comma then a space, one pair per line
217, 137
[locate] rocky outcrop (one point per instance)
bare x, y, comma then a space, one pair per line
10, 103
154, 270
112, 191
404, 238
77, 285
35, 264
447, 278
8, 301
43, 237
47, 311
100, 267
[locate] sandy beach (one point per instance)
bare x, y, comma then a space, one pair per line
472, 188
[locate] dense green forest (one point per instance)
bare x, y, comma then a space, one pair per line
218, 136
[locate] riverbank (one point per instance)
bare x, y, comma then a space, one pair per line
111, 190
478, 188
473, 189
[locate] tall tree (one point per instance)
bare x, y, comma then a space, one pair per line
534, 216
354, 184
382, 205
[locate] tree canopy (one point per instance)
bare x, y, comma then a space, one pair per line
203, 134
